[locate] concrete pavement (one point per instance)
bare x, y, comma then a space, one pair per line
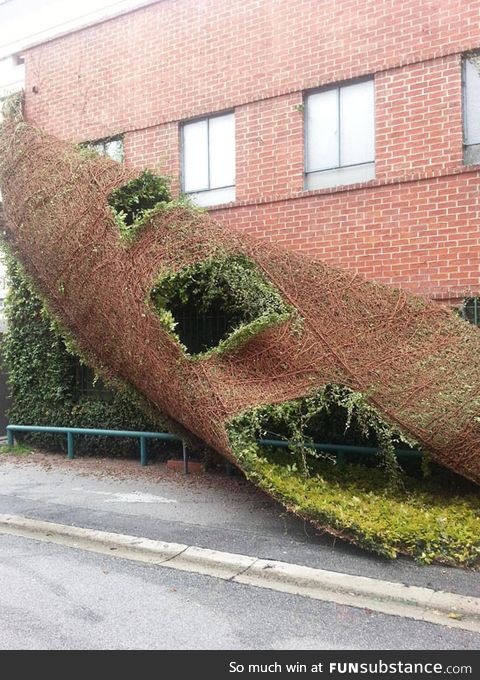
211, 511
423, 604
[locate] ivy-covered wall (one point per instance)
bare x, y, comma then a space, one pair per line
44, 380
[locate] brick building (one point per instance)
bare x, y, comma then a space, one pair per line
344, 128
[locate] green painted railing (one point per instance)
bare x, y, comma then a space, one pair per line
342, 449
339, 449
74, 431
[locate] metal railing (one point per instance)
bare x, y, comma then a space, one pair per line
339, 449
342, 449
70, 432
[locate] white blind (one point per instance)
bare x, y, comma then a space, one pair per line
472, 101
195, 156
357, 124
222, 151
322, 130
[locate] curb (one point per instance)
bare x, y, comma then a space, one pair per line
387, 597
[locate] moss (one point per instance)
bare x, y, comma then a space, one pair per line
427, 513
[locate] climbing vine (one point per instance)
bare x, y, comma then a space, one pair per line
41, 367
227, 287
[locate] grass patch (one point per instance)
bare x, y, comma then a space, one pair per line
17, 450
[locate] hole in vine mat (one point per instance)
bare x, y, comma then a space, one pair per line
218, 303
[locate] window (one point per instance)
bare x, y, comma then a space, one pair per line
88, 385
470, 310
471, 109
340, 135
111, 147
12, 75
208, 159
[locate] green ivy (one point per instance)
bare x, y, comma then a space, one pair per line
132, 204
430, 516
41, 367
229, 285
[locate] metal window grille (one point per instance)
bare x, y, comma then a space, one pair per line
89, 387
470, 310
200, 333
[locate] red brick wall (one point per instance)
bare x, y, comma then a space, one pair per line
423, 235
416, 224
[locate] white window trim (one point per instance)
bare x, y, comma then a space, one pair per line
338, 175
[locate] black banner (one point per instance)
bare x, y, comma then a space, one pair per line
222, 665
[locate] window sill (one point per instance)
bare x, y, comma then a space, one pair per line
339, 177
471, 154
214, 197
305, 193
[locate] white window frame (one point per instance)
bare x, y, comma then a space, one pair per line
210, 195
341, 174
471, 148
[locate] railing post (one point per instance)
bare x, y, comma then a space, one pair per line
143, 451
185, 458
10, 439
70, 450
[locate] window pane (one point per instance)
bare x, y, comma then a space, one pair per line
114, 149
322, 130
222, 151
472, 101
195, 156
99, 147
357, 123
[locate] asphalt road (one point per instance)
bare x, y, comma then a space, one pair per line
59, 598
